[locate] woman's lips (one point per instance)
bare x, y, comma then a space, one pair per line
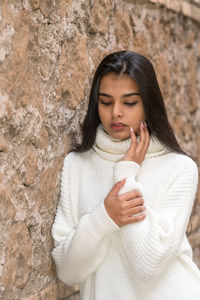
118, 126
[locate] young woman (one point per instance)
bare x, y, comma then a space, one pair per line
126, 194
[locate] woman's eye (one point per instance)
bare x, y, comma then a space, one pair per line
130, 103
105, 103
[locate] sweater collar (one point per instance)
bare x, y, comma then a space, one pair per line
114, 149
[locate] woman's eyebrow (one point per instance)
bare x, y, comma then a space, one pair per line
105, 95
125, 95
131, 94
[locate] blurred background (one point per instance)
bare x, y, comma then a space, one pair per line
48, 53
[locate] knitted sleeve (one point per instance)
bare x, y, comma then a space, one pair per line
80, 245
152, 244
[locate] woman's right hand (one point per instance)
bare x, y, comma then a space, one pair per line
123, 208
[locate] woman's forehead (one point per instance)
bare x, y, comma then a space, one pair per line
114, 81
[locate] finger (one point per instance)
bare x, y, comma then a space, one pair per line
141, 143
142, 133
147, 135
136, 210
134, 219
116, 188
130, 195
134, 202
132, 148
133, 145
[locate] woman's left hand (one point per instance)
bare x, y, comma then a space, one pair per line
138, 149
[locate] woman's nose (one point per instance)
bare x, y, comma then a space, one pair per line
117, 111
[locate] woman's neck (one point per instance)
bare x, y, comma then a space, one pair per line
114, 149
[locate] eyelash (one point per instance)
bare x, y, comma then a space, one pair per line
127, 103
130, 104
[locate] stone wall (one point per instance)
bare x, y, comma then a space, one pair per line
188, 8
48, 52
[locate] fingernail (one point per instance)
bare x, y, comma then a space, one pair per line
131, 129
123, 179
145, 123
142, 124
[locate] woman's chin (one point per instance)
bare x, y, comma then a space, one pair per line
120, 136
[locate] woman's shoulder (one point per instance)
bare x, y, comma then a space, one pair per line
182, 162
76, 157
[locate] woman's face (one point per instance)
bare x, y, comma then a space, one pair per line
120, 105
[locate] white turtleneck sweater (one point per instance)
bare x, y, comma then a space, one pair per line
147, 260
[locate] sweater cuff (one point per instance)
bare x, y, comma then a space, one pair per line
124, 169
101, 221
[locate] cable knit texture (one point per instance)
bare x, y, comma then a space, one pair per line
147, 260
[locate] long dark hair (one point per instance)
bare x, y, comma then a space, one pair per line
141, 70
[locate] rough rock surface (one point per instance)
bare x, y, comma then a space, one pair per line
48, 52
